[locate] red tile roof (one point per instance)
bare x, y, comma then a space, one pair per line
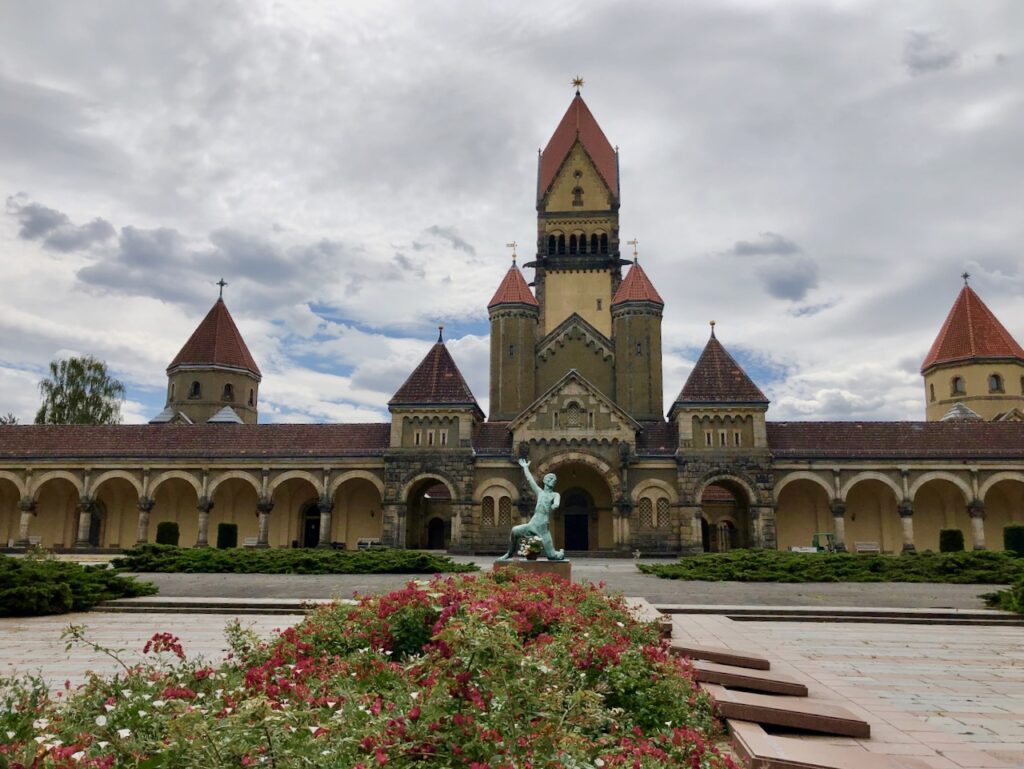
971, 331
436, 381
578, 123
717, 377
492, 439
216, 342
637, 287
513, 290
657, 439
902, 440
179, 441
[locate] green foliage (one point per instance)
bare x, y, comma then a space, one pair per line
1008, 600
162, 558
168, 533
227, 536
37, 585
976, 567
951, 541
1013, 539
79, 391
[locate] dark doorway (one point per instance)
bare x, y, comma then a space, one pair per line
95, 527
435, 534
577, 534
311, 526
705, 535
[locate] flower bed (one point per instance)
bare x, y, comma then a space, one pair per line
976, 567
38, 584
168, 558
509, 670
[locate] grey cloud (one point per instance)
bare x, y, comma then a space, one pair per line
54, 229
923, 52
808, 310
770, 243
450, 235
784, 270
408, 265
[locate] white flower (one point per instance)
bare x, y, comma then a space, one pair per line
598, 763
40, 740
414, 695
108, 708
312, 729
78, 756
123, 733
103, 743
39, 723
143, 713
10, 735
101, 720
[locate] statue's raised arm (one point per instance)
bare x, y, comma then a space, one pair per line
525, 464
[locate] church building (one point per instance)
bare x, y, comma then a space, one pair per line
575, 387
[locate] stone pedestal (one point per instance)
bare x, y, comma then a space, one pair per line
561, 569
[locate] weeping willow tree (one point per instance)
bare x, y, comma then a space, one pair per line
79, 391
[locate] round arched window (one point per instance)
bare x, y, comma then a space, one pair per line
957, 386
995, 383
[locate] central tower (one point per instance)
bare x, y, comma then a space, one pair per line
578, 269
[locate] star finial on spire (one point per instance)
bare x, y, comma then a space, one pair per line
577, 83
440, 334
634, 243
513, 246
221, 283
712, 329
967, 277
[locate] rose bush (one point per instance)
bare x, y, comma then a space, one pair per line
476, 672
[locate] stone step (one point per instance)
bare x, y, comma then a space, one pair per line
804, 713
733, 677
719, 654
887, 615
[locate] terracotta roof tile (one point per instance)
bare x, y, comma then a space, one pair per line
971, 331
436, 381
717, 378
216, 341
637, 287
179, 441
492, 439
904, 440
657, 439
578, 123
513, 290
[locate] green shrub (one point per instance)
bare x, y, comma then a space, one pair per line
167, 533
227, 536
164, 558
951, 541
38, 585
1009, 600
974, 567
1013, 539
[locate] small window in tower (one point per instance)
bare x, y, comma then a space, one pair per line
561, 244
598, 304
229, 392
444, 437
572, 244
736, 438
583, 244
594, 243
708, 438
172, 391
957, 386
252, 397
554, 418
604, 244
511, 351
590, 419
572, 415
577, 196
552, 245
639, 348
417, 438
721, 438
931, 391
430, 437
194, 390
995, 383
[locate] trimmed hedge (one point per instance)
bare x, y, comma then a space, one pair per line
227, 536
975, 567
1013, 539
38, 585
1009, 600
162, 558
167, 533
951, 541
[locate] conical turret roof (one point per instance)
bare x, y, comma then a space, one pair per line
971, 331
578, 123
437, 381
717, 377
513, 290
216, 342
637, 287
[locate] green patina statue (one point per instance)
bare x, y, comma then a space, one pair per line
547, 502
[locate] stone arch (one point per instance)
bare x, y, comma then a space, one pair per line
803, 475
642, 488
420, 477
335, 484
490, 483
871, 475
241, 475
584, 458
939, 475
305, 475
132, 478
189, 478
998, 478
718, 476
39, 481
17, 480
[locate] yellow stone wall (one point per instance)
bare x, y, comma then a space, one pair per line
357, 513
578, 291
596, 196
802, 510
978, 397
212, 383
10, 514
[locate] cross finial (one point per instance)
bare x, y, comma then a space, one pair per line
512, 245
577, 83
966, 276
634, 243
221, 283
712, 329
440, 334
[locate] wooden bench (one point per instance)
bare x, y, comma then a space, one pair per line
365, 543
866, 547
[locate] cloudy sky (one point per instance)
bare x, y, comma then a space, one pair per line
814, 176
